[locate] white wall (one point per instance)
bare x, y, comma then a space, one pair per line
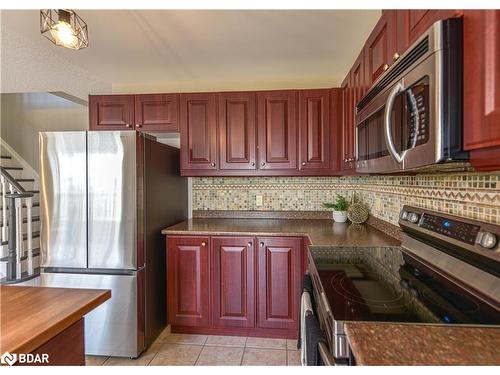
24, 115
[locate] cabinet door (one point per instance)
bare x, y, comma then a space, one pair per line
482, 87
279, 264
237, 130
198, 120
233, 278
188, 281
277, 129
314, 129
111, 112
412, 23
380, 47
157, 112
347, 125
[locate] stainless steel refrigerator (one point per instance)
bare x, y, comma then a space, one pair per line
105, 196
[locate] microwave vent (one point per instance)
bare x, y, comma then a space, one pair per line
409, 59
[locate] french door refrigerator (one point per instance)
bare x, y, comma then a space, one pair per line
105, 196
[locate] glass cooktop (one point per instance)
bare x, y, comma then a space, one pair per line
388, 285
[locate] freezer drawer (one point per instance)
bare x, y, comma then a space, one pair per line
63, 199
112, 328
112, 200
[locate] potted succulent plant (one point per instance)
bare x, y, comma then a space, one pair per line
339, 209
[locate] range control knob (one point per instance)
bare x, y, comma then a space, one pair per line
413, 217
487, 240
404, 215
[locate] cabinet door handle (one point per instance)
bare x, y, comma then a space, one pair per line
262, 244
263, 163
212, 164
250, 244
203, 243
137, 125
127, 125
252, 163
395, 56
303, 163
385, 67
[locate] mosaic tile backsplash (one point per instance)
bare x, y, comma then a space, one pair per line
472, 195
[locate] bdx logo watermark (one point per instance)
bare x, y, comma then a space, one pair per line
11, 358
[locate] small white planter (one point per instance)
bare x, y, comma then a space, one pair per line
340, 216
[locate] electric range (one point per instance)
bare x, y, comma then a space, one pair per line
445, 272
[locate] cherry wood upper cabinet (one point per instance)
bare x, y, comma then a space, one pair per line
336, 113
314, 129
412, 23
198, 125
237, 130
279, 277
233, 279
111, 112
277, 129
482, 87
347, 125
157, 112
380, 47
188, 277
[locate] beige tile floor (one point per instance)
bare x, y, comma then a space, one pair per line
203, 350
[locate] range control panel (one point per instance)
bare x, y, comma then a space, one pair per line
472, 234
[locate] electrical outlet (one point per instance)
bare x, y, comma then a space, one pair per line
258, 200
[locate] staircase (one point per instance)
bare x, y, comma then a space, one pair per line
19, 219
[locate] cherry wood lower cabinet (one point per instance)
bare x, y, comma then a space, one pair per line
233, 289
188, 274
236, 285
279, 280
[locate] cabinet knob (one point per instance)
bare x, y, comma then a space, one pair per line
303, 163
262, 244
127, 125
212, 164
385, 67
263, 163
395, 56
250, 244
252, 163
203, 243
137, 125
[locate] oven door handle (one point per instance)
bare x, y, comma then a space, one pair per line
398, 88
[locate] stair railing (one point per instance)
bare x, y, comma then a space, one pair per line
12, 225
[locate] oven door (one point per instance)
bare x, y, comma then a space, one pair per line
401, 128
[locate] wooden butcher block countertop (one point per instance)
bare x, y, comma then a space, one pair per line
30, 316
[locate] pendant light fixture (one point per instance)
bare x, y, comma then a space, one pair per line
64, 28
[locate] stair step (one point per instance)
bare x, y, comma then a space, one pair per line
35, 204
25, 220
25, 236
13, 168
25, 179
5, 157
36, 252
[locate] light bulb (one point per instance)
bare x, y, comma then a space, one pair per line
64, 35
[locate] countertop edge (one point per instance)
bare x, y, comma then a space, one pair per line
52, 331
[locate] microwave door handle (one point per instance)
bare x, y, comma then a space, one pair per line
387, 122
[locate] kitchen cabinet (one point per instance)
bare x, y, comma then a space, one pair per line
482, 87
277, 129
347, 125
157, 112
148, 112
188, 281
237, 130
198, 128
111, 112
314, 129
412, 23
233, 289
279, 266
380, 48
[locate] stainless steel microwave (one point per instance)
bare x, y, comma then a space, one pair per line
411, 118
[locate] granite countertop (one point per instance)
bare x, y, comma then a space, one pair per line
376, 344
320, 232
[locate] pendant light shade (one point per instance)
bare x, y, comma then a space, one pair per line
64, 28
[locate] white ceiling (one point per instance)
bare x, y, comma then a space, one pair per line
194, 50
